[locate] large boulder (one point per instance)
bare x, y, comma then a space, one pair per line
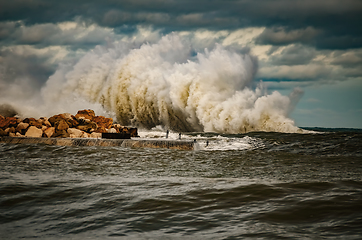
49, 132
112, 130
87, 126
10, 130
33, 132
33, 122
22, 127
3, 133
103, 123
55, 118
61, 125
75, 133
67, 117
45, 122
61, 134
6, 122
96, 135
85, 135
86, 113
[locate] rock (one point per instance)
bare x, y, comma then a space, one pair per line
33, 122
3, 133
12, 134
45, 122
61, 134
89, 127
49, 132
18, 135
133, 132
54, 119
33, 132
22, 127
118, 127
10, 130
75, 133
72, 122
101, 130
6, 122
103, 123
87, 114
85, 135
61, 125
67, 115
96, 135
43, 128
112, 130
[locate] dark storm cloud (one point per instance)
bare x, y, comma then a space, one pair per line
330, 24
279, 36
16, 66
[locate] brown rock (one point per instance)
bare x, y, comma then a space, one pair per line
118, 127
61, 134
88, 127
75, 133
112, 130
66, 115
22, 126
87, 114
101, 130
19, 134
45, 122
103, 122
61, 125
133, 132
3, 133
33, 122
33, 132
72, 122
96, 135
85, 135
10, 130
49, 132
8, 122
55, 118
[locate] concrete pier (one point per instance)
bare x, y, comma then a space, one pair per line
130, 143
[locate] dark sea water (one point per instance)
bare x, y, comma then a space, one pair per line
249, 186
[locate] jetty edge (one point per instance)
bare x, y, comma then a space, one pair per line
126, 143
82, 129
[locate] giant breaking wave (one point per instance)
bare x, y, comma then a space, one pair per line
168, 84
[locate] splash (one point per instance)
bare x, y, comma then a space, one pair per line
167, 84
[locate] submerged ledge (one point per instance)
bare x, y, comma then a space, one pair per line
130, 143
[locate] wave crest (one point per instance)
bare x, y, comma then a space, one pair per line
168, 84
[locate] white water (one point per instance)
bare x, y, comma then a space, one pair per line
215, 143
168, 84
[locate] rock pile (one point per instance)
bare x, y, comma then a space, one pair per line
85, 124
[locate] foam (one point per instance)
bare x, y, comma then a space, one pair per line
167, 84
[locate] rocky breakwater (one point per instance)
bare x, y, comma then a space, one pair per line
85, 124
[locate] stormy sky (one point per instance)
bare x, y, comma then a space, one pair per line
314, 45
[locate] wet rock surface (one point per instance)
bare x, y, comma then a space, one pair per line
85, 124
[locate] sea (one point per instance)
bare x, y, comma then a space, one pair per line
258, 185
